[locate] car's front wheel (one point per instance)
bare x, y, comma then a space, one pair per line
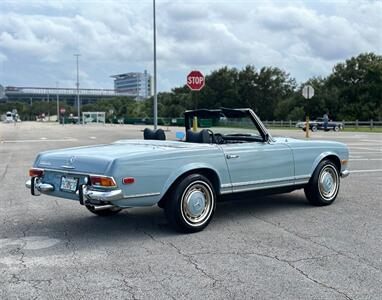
336, 128
191, 204
324, 184
103, 212
314, 128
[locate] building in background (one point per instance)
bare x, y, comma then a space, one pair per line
135, 84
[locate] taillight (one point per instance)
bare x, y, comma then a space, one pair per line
102, 181
34, 172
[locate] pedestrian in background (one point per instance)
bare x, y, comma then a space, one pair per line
326, 120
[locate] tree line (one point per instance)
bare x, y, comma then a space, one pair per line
352, 91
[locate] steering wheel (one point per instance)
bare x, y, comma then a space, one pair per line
219, 138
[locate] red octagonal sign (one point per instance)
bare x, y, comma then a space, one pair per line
195, 80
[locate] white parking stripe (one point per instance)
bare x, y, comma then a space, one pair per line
38, 141
351, 159
365, 171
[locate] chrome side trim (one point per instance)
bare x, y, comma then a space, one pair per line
141, 195
262, 187
264, 181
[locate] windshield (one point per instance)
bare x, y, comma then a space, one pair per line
229, 126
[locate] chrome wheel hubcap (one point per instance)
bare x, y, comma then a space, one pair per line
196, 204
328, 182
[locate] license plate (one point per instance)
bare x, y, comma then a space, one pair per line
69, 184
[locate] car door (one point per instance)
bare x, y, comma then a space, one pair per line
259, 165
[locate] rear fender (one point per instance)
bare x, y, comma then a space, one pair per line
184, 169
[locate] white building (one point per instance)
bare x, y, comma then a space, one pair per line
135, 84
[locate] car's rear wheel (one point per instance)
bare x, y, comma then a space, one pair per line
314, 128
336, 128
191, 204
103, 212
324, 184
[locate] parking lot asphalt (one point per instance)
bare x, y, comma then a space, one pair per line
274, 247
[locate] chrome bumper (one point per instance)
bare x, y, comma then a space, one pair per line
87, 192
96, 195
39, 186
345, 173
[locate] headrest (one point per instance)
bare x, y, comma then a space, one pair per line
198, 137
158, 134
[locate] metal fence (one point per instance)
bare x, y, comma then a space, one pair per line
347, 124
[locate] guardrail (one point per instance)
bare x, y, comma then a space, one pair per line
352, 124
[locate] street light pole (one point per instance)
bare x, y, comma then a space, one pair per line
78, 90
155, 72
58, 103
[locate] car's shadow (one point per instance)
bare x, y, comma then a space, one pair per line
84, 228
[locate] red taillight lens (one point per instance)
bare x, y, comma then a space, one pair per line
102, 181
33, 172
128, 180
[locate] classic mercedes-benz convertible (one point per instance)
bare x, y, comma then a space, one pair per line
233, 153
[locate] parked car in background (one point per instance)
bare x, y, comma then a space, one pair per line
186, 178
318, 124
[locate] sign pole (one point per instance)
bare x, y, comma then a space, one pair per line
155, 71
307, 116
307, 93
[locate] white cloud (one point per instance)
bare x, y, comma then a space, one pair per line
38, 39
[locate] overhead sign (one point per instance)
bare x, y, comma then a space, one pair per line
195, 80
62, 110
308, 91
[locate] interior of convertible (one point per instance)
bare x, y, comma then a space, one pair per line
219, 126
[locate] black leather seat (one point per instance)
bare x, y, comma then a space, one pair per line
198, 137
158, 134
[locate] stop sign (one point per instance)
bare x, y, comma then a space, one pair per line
195, 80
62, 110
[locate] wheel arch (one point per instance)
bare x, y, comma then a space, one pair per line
333, 157
207, 171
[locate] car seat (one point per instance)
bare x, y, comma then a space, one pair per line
198, 137
158, 134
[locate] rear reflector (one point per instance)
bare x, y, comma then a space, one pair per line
34, 172
102, 181
128, 180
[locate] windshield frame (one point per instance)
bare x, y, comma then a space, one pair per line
227, 112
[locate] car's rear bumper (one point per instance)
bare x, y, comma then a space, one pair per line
86, 192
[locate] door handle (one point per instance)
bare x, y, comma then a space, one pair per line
229, 156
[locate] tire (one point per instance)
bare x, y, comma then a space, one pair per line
314, 128
191, 204
103, 212
324, 184
336, 128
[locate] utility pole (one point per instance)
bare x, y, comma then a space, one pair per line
155, 72
58, 103
78, 91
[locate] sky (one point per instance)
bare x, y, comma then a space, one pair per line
304, 38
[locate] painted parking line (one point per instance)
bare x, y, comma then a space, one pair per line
352, 159
38, 141
365, 171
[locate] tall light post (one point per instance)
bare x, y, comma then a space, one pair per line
78, 90
155, 72
58, 103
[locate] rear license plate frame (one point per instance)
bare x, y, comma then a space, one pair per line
71, 184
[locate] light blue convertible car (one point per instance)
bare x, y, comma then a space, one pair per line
234, 153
